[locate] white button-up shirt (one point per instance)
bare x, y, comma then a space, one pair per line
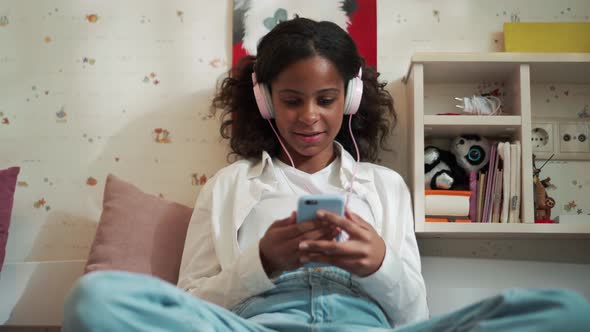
215, 269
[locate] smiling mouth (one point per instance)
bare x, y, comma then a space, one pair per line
309, 137
308, 134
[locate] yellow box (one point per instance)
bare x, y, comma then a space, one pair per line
547, 37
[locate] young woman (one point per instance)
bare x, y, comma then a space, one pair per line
299, 116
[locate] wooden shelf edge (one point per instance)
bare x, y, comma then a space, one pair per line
499, 57
460, 120
498, 231
495, 57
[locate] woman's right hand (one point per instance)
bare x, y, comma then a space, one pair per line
279, 247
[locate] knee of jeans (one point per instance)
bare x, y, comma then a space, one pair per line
89, 300
575, 309
564, 298
560, 309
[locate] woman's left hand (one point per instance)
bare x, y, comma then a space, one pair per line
362, 254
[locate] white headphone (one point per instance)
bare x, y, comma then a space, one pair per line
354, 94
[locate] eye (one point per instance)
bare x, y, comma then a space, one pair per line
325, 101
291, 101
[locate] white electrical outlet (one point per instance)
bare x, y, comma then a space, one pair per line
542, 137
573, 137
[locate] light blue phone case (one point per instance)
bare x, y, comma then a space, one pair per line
309, 204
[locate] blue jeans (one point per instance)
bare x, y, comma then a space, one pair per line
307, 299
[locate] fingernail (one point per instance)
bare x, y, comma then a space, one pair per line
303, 245
320, 214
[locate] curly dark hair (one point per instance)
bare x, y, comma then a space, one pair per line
288, 42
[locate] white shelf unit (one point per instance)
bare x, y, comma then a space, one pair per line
434, 79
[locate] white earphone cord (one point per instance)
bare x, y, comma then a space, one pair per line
355, 147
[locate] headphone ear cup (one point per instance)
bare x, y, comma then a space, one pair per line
267, 101
354, 94
263, 98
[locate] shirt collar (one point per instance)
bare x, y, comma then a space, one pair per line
257, 169
348, 164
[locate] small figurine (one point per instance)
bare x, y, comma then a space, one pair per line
543, 203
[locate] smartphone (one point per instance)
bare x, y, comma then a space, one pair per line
309, 204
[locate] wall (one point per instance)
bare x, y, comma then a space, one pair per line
89, 88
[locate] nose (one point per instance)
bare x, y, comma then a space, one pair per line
309, 113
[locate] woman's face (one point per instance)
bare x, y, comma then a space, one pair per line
308, 98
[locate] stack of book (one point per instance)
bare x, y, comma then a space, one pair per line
493, 195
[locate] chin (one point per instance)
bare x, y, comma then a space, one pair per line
311, 151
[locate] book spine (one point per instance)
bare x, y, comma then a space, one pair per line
490, 179
473, 197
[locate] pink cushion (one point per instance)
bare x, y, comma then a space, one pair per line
138, 232
7, 186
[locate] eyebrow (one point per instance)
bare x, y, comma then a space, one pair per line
300, 93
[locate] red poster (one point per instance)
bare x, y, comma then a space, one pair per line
252, 19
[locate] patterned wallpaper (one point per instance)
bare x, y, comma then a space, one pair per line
570, 188
92, 87
96, 87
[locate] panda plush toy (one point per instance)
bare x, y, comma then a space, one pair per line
450, 169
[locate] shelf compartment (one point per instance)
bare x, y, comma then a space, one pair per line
435, 79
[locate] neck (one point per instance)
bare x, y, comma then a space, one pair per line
311, 164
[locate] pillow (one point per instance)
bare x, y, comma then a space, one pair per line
138, 232
7, 185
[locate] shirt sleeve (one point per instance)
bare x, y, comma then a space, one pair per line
398, 285
200, 271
